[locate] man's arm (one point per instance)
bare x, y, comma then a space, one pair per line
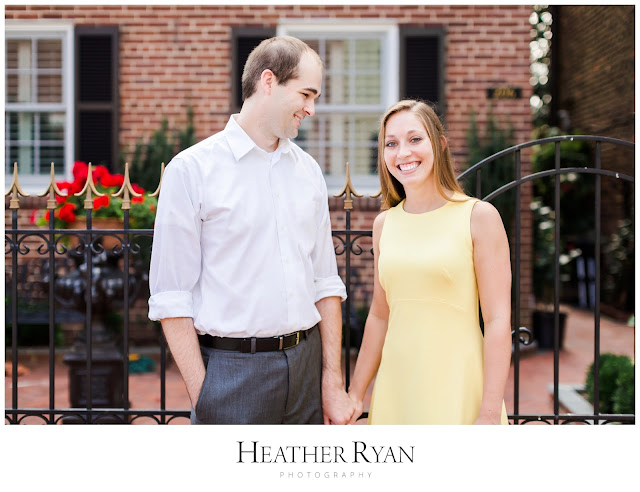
185, 349
337, 407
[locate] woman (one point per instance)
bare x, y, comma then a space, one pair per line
436, 253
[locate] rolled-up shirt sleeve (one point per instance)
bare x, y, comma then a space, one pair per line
176, 256
326, 279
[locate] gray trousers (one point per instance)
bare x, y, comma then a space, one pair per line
282, 387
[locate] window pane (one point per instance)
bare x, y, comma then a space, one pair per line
19, 88
336, 89
49, 88
367, 54
365, 161
18, 53
52, 126
368, 89
308, 130
21, 127
49, 155
337, 55
49, 53
366, 127
337, 157
23, 155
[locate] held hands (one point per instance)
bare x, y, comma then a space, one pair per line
338, 408
359, 407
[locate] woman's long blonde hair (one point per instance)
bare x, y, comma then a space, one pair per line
445, 178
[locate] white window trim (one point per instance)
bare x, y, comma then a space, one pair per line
347, 28
37, 184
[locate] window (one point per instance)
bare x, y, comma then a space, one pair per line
368, 67
358, 86
38, 102
61, 102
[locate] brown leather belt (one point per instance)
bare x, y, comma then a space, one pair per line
253, 344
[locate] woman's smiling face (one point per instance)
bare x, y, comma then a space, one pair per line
408, 152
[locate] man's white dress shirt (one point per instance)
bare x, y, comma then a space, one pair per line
242, 239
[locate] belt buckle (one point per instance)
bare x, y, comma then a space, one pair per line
297, 338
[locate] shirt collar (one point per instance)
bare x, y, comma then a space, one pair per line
241, 143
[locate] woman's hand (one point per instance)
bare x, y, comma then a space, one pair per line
359, 407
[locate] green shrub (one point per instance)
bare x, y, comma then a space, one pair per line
623, 396
160, 147
616, 384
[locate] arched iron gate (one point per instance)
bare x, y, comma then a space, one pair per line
346, 241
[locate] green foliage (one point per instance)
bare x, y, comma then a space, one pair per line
616, 384
624, 397
161, 147
498, 172
576, 190
618, 251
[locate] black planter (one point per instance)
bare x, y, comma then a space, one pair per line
543, 328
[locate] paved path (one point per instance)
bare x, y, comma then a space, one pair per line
536, 373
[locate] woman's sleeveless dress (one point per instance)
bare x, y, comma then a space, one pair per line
431, 370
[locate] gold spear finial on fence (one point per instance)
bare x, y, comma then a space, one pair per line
15, 191
157, 192
52, 190
377, 194
126, 190
89, 187
347, 191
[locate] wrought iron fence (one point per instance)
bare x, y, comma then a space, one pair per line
65, 285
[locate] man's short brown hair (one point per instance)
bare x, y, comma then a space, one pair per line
281, 55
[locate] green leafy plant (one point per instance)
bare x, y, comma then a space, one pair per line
616, 384
481, 145
161, 147
544, 252
575, 225
618, 273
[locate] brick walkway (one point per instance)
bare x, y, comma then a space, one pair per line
536, 373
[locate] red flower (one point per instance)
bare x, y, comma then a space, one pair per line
101, 201
99, 172
109, 180
80, 171
67, 212
34, 214
137, 189
70, 188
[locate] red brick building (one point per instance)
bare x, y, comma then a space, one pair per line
87, 82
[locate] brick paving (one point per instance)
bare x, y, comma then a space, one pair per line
536, 373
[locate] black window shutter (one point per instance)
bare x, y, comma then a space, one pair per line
243, 42
422, 65
97, 102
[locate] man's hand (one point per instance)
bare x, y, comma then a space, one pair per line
337, 407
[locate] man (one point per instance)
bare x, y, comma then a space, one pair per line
243, 272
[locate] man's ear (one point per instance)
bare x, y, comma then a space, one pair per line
267, 80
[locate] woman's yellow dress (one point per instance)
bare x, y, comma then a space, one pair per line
432, 361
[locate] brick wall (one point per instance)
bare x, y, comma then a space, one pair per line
175, 56
172, 56
595, 83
